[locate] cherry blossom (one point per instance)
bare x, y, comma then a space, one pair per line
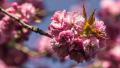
74, 36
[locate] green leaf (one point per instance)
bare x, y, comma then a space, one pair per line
91, 18
84, 13
87, 29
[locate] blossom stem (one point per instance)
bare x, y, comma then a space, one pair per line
28, 51
32, 28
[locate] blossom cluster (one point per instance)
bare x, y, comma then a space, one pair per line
13, 34
75, 36
39, 6
20, 11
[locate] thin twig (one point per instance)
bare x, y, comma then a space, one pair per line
28, 51
32, 28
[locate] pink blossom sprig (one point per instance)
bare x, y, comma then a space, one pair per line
76, 36
22, 22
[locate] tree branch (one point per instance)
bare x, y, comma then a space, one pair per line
32, 28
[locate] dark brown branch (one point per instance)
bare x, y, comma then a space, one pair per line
32, 28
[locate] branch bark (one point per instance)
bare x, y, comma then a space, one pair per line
32, 28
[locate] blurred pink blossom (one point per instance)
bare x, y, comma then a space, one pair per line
24, 11
109, 13
115, 52
106, 64
111, 6
2, 64
7, 25
44, 44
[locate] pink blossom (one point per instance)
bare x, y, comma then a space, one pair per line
106, 64
91, 41
44, 44
115, 52
24, 11
76, 50
8, 31
91, 46
112, 6
100, 26
27, 10
2, 64
62, 42
63, 20
40, 11
5, 28
67, 29
65, 36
